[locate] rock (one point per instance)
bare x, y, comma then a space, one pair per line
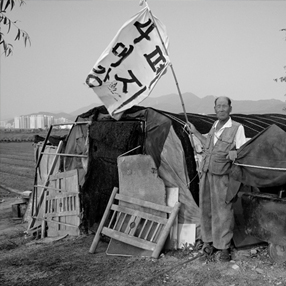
259, 270
253, 251
235, 267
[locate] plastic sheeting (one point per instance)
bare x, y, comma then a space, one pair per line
261, 162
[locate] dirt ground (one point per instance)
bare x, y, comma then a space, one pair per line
29, 261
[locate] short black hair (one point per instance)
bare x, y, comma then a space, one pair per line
228, 100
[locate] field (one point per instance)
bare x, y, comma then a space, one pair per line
27, 135
17, 165
26, 260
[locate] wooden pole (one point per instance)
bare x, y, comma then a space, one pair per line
178, 88
103, 219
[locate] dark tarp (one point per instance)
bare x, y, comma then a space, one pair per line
159, 136
266, 156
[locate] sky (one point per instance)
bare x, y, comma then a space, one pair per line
222, 48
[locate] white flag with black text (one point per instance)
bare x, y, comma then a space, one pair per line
131, 65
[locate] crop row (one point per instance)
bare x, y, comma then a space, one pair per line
17, 166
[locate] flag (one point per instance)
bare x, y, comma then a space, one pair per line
131, 65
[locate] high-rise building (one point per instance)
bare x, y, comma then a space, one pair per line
33, 121
40, 121
36, 121
17, 121
3, 124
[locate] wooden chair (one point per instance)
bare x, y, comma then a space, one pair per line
136, 227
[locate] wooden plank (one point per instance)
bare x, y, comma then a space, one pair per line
142, 203
165, 231
104, 217
62, 195
111, 220
62, 214
142, 229
118, 214
172, 194
149, 230
135, 241
66, 174
56, 189
72, 123
43, 146
136, 220
67, 155
122, 222
143, 215
59, 222
31, 224
155, 233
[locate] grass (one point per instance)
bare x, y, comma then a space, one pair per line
17, 165
27, 134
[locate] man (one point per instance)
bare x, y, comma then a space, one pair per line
220, 145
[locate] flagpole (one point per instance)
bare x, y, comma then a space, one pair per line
178, 88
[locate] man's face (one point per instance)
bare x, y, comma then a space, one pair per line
222, 109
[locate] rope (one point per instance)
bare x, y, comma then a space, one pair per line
261, 167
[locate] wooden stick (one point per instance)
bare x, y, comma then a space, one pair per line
66, 155
105, 215
178, 88
165, 232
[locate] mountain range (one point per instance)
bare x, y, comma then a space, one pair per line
193, 104
205, 105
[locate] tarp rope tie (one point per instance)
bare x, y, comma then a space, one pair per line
260, 167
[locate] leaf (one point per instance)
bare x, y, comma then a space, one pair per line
7, 4
18, 35
4, 46
9, 25
12, 4
25, 40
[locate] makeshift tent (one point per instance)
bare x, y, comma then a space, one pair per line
139, 131
143, 131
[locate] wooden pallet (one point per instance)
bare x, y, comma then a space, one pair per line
62, 205
136, 227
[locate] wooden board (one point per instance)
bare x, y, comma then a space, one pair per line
62, 204
138, 178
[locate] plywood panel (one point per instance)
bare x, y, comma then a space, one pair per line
138, 178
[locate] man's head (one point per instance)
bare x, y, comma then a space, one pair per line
222, 108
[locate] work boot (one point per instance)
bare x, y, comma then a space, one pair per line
208, 248
223, 255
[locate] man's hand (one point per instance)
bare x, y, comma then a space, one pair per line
232, 155
191, 127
